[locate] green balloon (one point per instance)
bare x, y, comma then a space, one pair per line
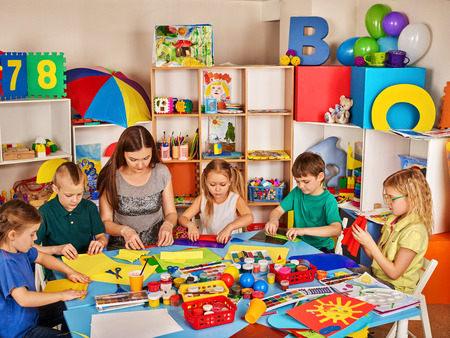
364, 46
374, 20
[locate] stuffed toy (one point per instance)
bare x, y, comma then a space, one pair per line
341, 112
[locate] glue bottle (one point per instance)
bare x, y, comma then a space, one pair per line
166, 282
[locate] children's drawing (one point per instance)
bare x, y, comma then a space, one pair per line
217, 86
188, 46
88, 158
221, 129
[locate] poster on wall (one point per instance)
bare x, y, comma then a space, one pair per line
186, 46
88, 158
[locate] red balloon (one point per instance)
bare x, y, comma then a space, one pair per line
228, 279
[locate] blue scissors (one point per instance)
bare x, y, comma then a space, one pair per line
115, 273
172, 269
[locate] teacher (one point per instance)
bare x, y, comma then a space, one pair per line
136, 194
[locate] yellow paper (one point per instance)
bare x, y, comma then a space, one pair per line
186, 254
208, 256
176, 261
274, 252
130, 255
64, 284
95, 266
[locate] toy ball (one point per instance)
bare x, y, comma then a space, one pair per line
285, 60
261, 285
233, 271
227, 279
291, 52
359, 61
295, 61
247, 280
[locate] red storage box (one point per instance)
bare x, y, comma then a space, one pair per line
215, 319
295, 277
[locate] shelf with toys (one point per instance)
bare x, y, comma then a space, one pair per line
22, 122
258, 101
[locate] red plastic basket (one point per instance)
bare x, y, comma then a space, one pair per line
295, 277
215, 319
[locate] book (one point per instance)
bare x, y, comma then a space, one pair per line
120, 300
422, 135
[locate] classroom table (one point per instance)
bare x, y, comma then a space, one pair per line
79, 312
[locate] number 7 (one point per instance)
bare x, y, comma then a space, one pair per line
17, 64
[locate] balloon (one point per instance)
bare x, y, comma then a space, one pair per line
387, 43
344, 52
364, 46
414, 40
393, 23
374, 19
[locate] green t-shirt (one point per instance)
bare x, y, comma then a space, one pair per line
312, 212
77, 227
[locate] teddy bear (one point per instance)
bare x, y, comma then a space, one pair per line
341, 112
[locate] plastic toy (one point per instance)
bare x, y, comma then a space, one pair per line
232, 270
444, 118
228, 279
247, 280
261, 285
341, 112
290, 58
183, 106
163, 105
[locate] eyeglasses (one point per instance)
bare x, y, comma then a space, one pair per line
388, 200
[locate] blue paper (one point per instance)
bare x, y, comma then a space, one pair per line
325, 261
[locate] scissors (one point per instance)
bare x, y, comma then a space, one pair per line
115, 273
172, 269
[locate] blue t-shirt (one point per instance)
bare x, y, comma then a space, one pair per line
312, 212
15, 272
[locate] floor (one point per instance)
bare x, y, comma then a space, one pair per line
439, 315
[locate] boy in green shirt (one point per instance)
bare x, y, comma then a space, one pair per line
69, 222
316, 214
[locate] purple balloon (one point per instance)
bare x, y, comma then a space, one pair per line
393, 23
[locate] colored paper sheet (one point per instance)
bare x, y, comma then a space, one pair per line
348, 239
208, 256
181, 255
95, 266
199, 243
130, 255
274, 252
257, 330
324, 261
64, 284
330, 314
151, 261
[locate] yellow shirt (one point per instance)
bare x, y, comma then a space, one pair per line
408, 233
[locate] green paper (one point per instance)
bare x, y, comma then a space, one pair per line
283, 237
208, 256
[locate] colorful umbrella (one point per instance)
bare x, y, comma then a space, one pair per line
109, 96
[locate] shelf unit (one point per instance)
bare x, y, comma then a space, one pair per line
22, 121
380, 159
255, 87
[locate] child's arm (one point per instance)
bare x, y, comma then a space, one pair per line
185, 219
27, 298
165, 236
245, 218
132, 240
96, 246
66, 250
332, 230
273, 223
52, 263
393, 269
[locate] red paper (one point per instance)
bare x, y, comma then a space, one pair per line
330, 314
348, 239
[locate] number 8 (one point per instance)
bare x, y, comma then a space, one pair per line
44, 74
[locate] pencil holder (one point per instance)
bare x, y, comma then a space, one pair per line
175, 152
165, 153
184, 152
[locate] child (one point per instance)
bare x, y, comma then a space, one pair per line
316, 214
222, 206
19, 300
397, 258
68, 221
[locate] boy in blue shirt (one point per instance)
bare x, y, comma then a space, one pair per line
316, 214
69, 222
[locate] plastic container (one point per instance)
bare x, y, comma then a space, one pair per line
204, 287
212, 319
265, 194
295, 277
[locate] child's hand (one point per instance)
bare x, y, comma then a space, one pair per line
223, 236
95, 247
292, 233
362, 236
70, 294
193, 233
272, 227
67, 250
77, 277
165, 236
132, 239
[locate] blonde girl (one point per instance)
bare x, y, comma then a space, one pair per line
222, 206
397, 258
19, 300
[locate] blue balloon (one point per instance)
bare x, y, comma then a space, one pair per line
387, 43
344, 53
